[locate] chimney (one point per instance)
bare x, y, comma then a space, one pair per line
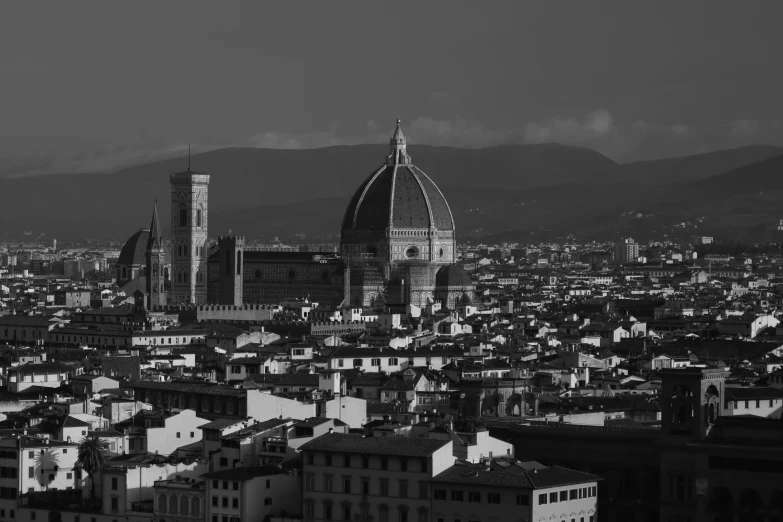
331, 430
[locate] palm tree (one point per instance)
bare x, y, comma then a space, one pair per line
91, 457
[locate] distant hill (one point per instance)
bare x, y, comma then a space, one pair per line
117, 204
695, 167
500, 192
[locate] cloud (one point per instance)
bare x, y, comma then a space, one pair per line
445, 98
744, 128
597, 130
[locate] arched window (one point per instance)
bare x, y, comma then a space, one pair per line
194, 507
183, 505
239, 263
162, 503
198, 216
183, 216
173, 504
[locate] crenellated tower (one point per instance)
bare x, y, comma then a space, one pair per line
231, 251
189, 211
156, 260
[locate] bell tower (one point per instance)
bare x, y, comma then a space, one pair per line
156, 260
692, 399
189, 200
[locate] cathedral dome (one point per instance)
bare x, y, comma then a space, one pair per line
134, 250
398, 195
452, 276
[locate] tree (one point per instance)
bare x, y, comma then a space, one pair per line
92, 452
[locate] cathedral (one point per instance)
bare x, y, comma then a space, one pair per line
397, 248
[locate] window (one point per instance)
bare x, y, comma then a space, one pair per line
115, 504
424, 491
214, 501
235, 503
309, 482
383, 513
384, 463
573, 494
523, 500
328, 459
114, 483
268, 483
493, 498
225, 484
358, 362
553, 497
223, 463
309, 508
474, 496
346, 484
593, 491
384, 487
310, 459
327, 483
365, 486
440, 494
365, 462
403, 465
31, 472
183, 217
198, 217
456, 495
346, 512
542, 498
178, 436
377, 362
225, 502
327, 511
403, 489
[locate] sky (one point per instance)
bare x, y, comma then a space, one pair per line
95, 85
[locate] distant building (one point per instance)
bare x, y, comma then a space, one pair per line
626, 251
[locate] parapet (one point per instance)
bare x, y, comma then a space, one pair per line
231, 240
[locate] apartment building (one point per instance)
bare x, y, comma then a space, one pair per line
385, 478
511, 491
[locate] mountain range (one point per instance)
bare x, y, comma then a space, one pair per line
506, 192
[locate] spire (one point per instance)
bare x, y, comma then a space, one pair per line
397, 145
155, 241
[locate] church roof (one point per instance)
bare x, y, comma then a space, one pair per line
134, 250
401, 196
452, 275
155, 239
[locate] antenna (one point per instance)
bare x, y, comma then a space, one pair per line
188, 157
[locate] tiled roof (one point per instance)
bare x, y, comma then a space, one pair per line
285, 379
71, 422
393, 446
513, 474
219, 424
741, 394
187, 387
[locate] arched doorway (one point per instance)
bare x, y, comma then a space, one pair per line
721, 505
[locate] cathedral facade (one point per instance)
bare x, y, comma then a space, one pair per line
397, 248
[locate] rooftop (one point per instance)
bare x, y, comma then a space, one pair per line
391, 446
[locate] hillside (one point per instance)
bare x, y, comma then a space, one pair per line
117, 204
696, 167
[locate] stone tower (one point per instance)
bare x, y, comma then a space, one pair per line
231, 252
189, 194
692, 399
156, 260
